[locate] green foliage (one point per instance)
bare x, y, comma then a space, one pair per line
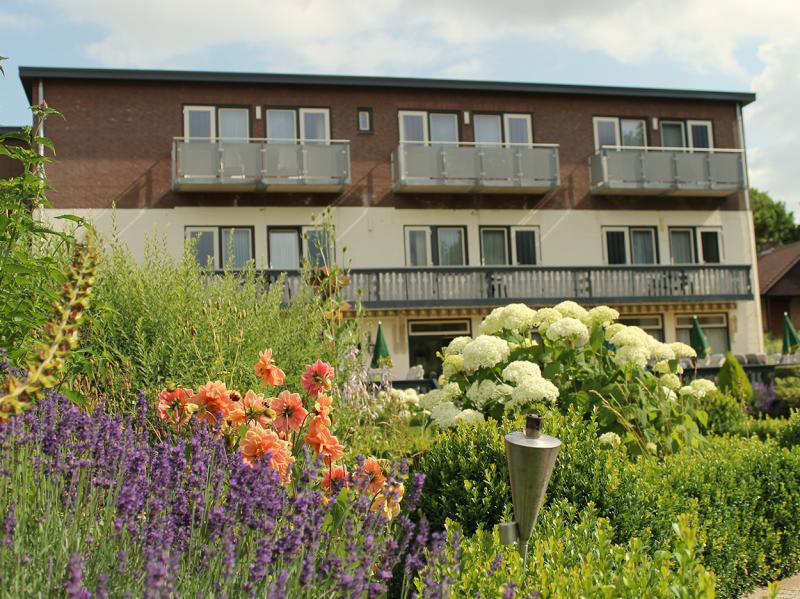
725, 413
732, 379
32, 255
573, 554
772, 221
165, 321
787, 384
785, 431
743, 492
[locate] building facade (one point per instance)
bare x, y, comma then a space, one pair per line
450, 197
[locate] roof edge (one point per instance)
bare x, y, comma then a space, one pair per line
780, 274
28, 74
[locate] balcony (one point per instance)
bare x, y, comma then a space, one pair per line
493, 286
666, 171
260, 165
469, 168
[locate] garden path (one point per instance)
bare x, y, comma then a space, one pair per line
789, 589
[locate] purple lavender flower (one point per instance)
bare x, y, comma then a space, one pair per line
10, 525
74, 587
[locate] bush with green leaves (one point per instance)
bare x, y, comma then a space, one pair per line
725, 412
785, 431
556, 358
164, 321
733, 380
787, 384
743, 492
572, 554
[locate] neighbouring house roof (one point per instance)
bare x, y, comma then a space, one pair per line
10, 129
774, 263
29, 75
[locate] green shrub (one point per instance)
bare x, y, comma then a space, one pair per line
167, 321
787, 384
572, 554
786, 431
732, 379
725, 412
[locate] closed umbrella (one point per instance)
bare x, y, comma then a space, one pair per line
791, 340
697, 339
380, 356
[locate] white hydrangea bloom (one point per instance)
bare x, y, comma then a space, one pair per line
411, 397
610, 439
431, 399
530, 390
613, 329
568, 328
517, 317
519, 370
651, 447
492, 324
485, 351
662, 367
482, 392
671, 381
545, 317
698, 388
570, 309
682, 350
600, 314
661, 352
632, 355
669, 393
452, 364
631, 335
456, 346
450, 391
469, 416
445, 414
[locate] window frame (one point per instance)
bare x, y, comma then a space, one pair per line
222, 257
638, 317
301, 129
494, 115
615, 229
285, 229
507, 116
293, 112
456, 118
441, 332
507, 244
208, 108
536, 244
643, 121
653, 237
701, 245
428, 244
425, 126
626, 231
662, 122
617, 122
432, 239
305, 229
726, 326
693, 240
368, 111
214, 230
435, 237
232, 108
690, 139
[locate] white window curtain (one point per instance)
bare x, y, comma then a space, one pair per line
284, 250
236, 248
494, 247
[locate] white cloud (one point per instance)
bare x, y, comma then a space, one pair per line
457, 38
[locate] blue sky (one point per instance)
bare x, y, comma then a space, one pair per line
703, 44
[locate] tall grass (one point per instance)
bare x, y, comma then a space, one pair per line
163, 320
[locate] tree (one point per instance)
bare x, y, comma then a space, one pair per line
772, 221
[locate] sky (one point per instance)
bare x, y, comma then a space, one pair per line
725, 45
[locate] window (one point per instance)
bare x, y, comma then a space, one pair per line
427, 337
673, 134
314, 125
630, 245
494, 129
710, 246
423, 128
700, 136
365, 120
651, 324
715, 328
614, 131
281, 126
234, 124
436, 246
222, 247
681, 243
198, 123
488, 130
205, 239
237, 247
508, 245
518, 128
284, 248
318, 246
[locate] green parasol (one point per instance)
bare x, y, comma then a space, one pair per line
791, 340
380, 356
697, 339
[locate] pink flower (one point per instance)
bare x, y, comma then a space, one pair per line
258, 442
270, 374
212, 402
171, 406
289, 412
323, 441
318, 378
251, 409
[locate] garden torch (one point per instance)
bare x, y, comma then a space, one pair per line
531, 457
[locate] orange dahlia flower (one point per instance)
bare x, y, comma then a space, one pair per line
333, 474
387, 502
252, 408
318, 378
289, 412
258, 442
212, 402
324, 406
171, 407
269, 373
372, 474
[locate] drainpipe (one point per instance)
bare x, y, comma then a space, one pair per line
751, 234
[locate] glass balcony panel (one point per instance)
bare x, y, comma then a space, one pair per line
199, 160
240, 160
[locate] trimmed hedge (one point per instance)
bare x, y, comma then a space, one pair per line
732, 379
744, 493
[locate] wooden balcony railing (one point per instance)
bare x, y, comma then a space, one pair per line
493, 285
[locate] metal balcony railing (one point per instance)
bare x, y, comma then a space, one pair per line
500, 285
260, 165
449, 167
637, 170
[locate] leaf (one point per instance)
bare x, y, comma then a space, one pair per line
702, 416
77, 398
72, 217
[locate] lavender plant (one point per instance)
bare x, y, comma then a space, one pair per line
91, 505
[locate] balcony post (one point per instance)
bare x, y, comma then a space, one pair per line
707, 169
303, 165
442, 165
642, 182
221, 167
518, 166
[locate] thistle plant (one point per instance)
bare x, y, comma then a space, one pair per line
60, 335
